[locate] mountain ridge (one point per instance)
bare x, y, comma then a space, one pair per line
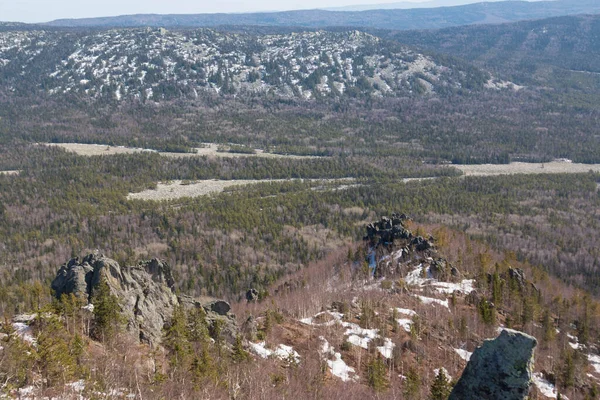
442, 17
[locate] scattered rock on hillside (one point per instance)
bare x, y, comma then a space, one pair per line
500, 369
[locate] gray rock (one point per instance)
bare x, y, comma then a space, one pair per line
518, 276
252, 295
250, 328
220, 307
500, 369
73, 278
144, 291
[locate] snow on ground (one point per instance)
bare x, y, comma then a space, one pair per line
415, 277
177, 189
465, 355
594, 362
555, 167
431, 300
78, 386
282, 352
437, 371
546, 388
466, 286
387, 348
418, 277
335, 317
24, 332
405, 323
358, 336
209, 150
89, 307
406, 311
337, 366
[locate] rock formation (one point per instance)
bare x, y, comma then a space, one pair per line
145, 293
500, 369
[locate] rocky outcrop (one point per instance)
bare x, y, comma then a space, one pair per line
500, 369
146, 293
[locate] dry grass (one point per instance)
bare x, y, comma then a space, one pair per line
210, 151
554, 167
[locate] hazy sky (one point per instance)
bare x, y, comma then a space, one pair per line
47, 10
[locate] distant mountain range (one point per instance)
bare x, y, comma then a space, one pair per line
543, 52
404, 5
426, 18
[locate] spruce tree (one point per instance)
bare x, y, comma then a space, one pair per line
412, 383
377, 374
441, 388
107, 312
176, 339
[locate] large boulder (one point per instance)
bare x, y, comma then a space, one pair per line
500, 369
145, 293
73, 277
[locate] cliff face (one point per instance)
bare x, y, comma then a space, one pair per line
145, 293
499, 369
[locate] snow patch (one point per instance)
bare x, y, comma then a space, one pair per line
405, 323
282, 352
387, 349
431, 300
464, 354
546, 388
406, 311
594, 360
24, 332
337, 366
422, 277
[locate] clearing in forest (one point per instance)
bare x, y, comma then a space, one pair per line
177, 189
210, 150
554, 167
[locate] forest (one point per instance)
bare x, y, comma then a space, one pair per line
325, 159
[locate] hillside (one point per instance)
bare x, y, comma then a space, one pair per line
158, 64
328, 329
557, 52
441, 17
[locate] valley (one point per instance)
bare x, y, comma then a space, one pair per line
324, 205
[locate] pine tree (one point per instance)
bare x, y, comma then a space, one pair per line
239, 354
567, 370
548, 326
197, 326
54, 357
377, 374
441, 388
107, 312
176, 339
412, 383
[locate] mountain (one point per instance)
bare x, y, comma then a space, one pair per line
560, 55
571, 43
443, 17
160, 64
404, 5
